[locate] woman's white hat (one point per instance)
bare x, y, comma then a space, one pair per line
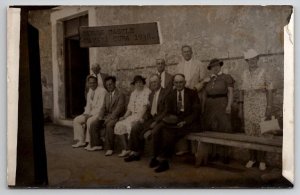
251, 53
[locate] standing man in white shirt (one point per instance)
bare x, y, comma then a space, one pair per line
190, 68
95, 99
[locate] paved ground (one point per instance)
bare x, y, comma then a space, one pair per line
77, 168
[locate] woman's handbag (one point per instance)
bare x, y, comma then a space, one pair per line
270, 126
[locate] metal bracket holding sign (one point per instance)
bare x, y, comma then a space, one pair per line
119, 35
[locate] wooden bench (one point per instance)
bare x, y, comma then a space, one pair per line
240, 140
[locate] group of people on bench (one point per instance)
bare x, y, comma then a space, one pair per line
171, 108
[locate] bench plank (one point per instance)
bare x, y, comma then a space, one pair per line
274, 141
239, 140
241, 144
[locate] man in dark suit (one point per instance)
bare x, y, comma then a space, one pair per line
184, 107
113, 108
165, 78
96, 71
156, 111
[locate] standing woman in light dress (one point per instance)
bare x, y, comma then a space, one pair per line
137, 106
256, 100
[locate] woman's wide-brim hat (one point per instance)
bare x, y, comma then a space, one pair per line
251, 53
138, 78
214, 62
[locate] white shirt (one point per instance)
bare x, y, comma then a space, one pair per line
162, 78
100, 82
111, 95
95, 100
192, 71
154, 103
188, 70
182, 95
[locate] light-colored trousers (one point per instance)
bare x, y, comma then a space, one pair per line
81, 133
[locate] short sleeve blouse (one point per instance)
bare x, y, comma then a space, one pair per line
219, 85
258, 79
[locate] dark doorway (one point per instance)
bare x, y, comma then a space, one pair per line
76, 67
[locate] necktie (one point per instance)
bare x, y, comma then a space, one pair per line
179, 103
154, 105
110, 101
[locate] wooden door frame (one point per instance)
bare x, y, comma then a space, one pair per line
58, 51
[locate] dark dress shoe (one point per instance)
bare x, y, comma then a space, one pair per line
153, 163
163, 166
132, 158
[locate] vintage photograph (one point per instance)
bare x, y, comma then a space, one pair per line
151, 97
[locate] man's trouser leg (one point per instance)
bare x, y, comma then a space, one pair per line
79, 131
95, 133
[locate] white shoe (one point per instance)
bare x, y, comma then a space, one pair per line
109, 153
250, 164
88, 147
94, 148
78, 144
98, 147
124, 153
262, 166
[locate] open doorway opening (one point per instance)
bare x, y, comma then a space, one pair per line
76, 66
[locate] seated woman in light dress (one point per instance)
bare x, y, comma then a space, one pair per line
256, 100
137, 106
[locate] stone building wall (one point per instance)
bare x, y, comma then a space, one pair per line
212, 31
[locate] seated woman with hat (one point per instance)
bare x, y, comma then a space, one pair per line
136, 108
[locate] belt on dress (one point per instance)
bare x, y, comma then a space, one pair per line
217, 96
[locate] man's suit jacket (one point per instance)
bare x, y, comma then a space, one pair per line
161, 106
94, 105
168, 81
113, 110
191, 106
